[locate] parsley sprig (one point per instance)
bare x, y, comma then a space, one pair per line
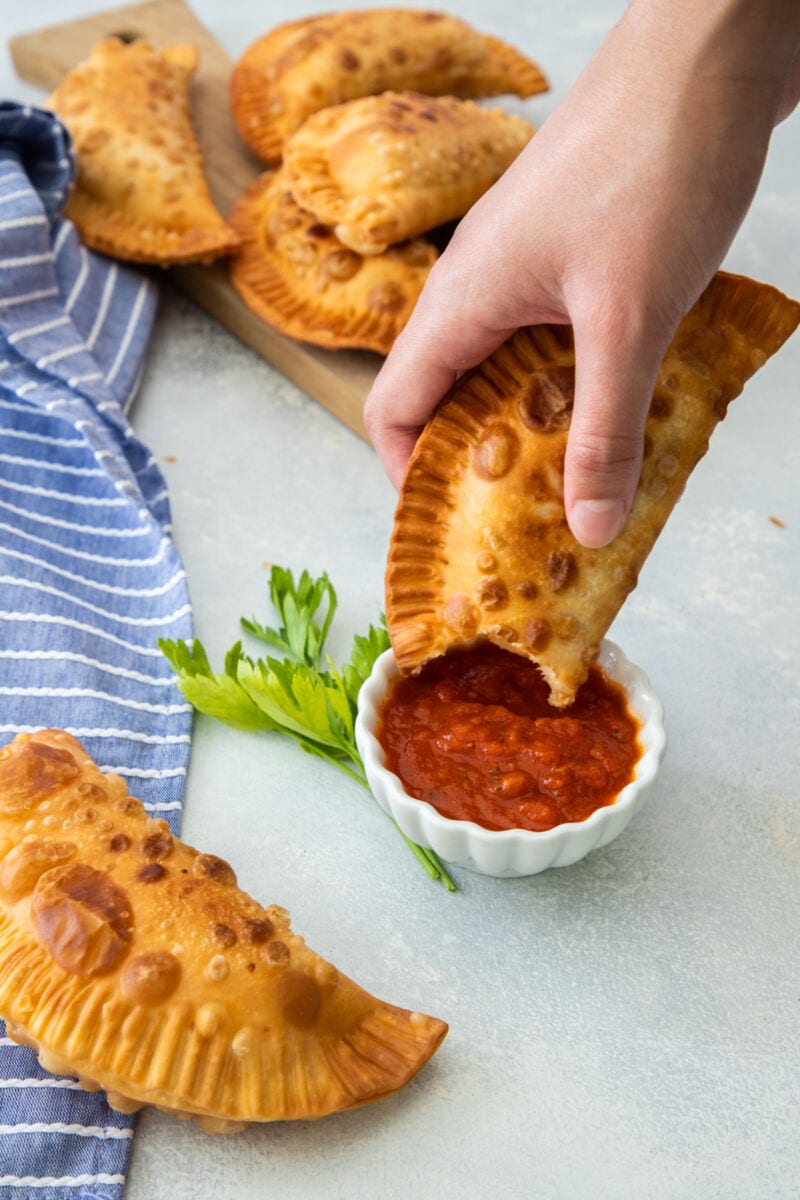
299, 635
294, 695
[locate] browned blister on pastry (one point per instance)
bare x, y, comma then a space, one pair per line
481, 547
386, 168
295, 274
140, 192
135, 963
303, 66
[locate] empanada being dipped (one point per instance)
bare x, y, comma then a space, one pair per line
140, 192
386, 168
135, 963
481, 547
303, 66
295, 274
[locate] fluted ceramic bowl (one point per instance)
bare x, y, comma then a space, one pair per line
513, 852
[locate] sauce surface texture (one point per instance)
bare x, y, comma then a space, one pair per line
473, 734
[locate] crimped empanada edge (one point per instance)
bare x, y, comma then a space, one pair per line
510, 72
418, 544
110, 232
417, 548
249, 102
265, 291
158, 1056
758, 312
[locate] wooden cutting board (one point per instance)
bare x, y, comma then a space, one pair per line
339, 380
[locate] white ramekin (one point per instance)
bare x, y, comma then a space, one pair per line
513, 852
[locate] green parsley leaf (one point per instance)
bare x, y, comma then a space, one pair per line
297, 604
362, 660
298, 698
218, 695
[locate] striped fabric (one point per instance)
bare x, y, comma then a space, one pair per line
89, 579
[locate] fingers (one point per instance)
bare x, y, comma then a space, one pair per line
444, 337
412, 380
616, 370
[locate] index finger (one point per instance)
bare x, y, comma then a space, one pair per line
441, 341
406, 390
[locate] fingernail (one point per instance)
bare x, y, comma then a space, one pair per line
595, 523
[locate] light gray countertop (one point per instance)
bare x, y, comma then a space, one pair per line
626, 1028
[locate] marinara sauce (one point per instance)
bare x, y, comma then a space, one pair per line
474, 735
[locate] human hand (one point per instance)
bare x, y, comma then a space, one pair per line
613, 219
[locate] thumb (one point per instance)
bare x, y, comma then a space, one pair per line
615, 373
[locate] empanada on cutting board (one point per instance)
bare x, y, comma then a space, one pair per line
295, 273
385, 168
481, 547
140, 192
303, 66
135, 963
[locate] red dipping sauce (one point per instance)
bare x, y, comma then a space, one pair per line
474, 735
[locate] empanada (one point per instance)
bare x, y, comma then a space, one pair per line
303, 66
296, 275
481, 547
386, 168
135, 963
140, 192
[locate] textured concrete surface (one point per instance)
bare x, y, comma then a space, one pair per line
625, 1028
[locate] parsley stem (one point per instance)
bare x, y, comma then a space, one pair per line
337, 762
428, 859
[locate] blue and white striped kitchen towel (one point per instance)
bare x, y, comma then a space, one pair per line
89, 579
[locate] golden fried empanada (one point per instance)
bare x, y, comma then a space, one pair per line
481, 547
296, 274
135, 963
386, 168
140, 192
303, 66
